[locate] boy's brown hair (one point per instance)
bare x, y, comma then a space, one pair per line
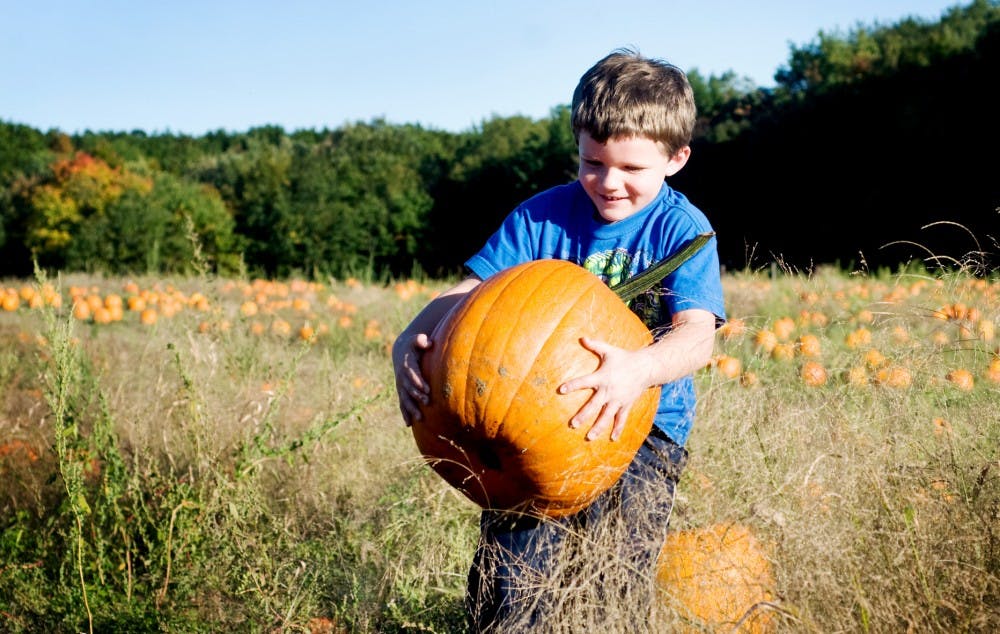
627, 95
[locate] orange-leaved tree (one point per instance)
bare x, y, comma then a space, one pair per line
82, 213
78, 189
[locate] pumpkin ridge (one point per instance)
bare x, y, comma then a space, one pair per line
444, 341
485, 337
627, 342
498, 308
489, 449
560, 484
491, 291
551, 324
550, 343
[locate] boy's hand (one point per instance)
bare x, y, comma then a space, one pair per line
618, 382
412, 388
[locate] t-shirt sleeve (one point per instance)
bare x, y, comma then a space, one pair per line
697, 283
508, 246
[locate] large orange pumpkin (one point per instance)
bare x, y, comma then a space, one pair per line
495, 427
716, 578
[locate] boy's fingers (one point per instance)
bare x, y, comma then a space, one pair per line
413, 392
405, 413
420, 393
410, 410
415, 381
411, 366
579, 383
601, 426
586, 413
598, 347
620, 419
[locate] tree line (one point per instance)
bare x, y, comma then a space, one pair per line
876, 146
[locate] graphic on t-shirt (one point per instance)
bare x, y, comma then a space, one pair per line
615, 266
611, 266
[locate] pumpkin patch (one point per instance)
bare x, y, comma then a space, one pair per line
887, 466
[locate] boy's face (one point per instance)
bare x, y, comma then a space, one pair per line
624, 175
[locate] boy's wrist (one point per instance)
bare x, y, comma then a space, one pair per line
655, 364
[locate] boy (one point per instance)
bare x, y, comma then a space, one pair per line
633, 118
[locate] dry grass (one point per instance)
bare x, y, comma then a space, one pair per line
260, 482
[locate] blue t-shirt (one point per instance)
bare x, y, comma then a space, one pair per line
561, 223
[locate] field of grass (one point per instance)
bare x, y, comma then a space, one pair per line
227, 455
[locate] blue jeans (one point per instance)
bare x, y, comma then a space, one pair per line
514, 568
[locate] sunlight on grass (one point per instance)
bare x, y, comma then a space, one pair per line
209, 453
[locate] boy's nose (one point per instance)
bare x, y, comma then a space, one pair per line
611, 179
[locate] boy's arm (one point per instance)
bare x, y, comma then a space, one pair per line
685, 349
623, 375
411, 387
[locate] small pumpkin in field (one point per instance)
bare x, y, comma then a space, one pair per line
10, 301
962, 379
993, 370
716, 579
813, 373
495, 427
897, 376
727, 366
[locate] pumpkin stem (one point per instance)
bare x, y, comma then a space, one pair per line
631, 288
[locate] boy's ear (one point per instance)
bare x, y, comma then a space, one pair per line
678, 160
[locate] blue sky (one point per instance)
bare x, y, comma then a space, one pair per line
195, 66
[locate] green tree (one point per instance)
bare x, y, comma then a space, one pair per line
834, 59
22, 149
173, 228
254, 183
362, 198
76, 191
497, 165
80, 213
711, 94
